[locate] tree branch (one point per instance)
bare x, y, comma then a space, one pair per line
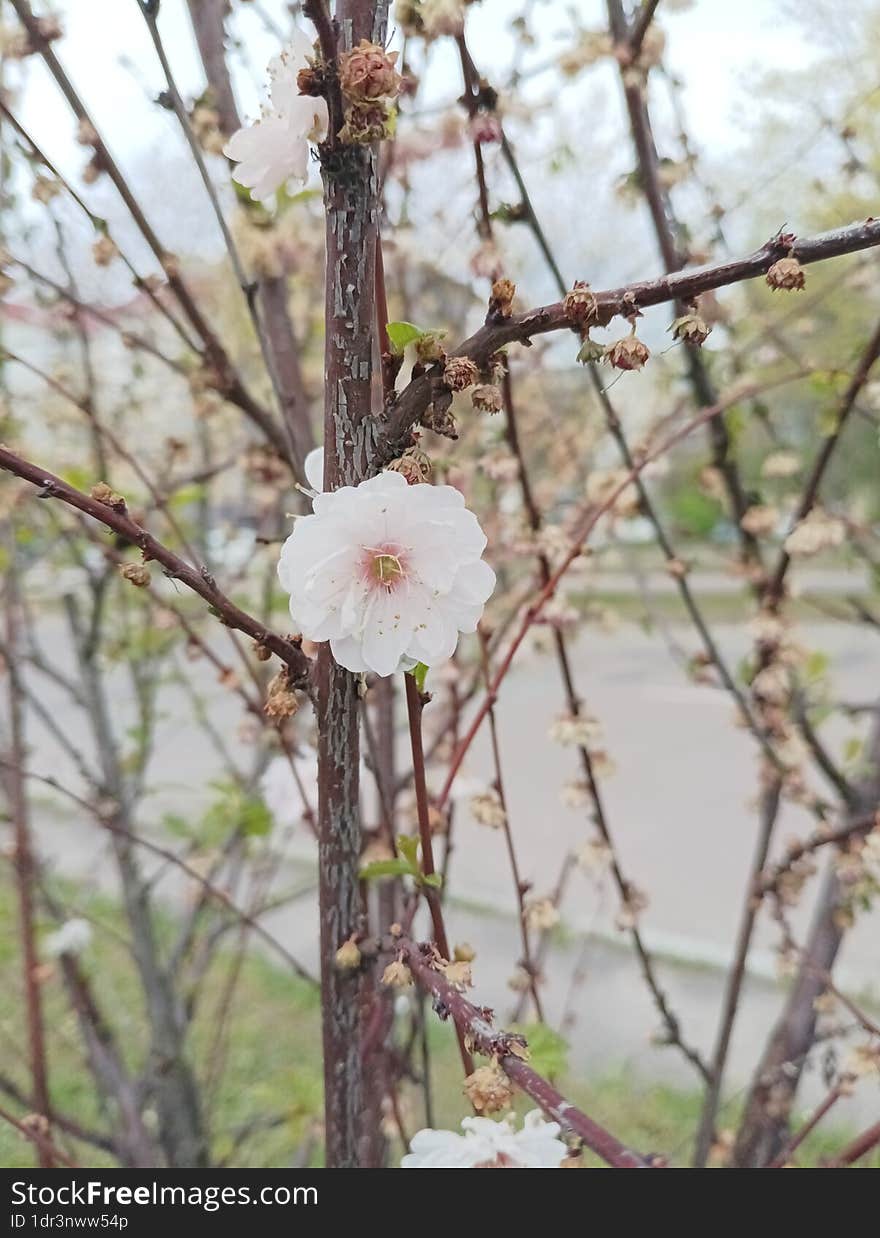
475, 1024
676, 286
201, 582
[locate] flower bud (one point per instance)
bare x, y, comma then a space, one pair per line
580, 303
487, 398
414, 465
136, 574
690, 329
348, 957
106, 495
429, 347
488, 1089
590, 351
501, 299
627, 354
281, 701
397, 975
368, 122
787, 274
104, 251
367, 73
460, 372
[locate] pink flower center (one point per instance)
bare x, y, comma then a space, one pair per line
383, 566
502, 1161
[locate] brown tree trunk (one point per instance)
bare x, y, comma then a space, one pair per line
351, 201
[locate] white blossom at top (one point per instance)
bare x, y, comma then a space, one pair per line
72, 937
275, 149
487, 1144
389, 573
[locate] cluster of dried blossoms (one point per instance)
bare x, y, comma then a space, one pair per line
275, 149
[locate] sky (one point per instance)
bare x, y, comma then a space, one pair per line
713, 43
715, 47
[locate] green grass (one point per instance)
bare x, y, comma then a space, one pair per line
271, 1069
650, 1117
272, 1059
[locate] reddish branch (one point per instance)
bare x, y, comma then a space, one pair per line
475, 1023
201, 582
474, 93
414, 706
808, 1127
583, 529
47, 1150
859, 1147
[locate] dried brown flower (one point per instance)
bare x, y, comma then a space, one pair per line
787, 274
459, 373
367, 73
136, 574
488, 1089
627, 354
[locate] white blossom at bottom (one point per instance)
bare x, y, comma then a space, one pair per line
487, 1144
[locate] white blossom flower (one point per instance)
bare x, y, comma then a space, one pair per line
816, 532
781, 464
72, 937
487, 1144
572, 730
487, 809
761, 520
541, 914
442, 16
275, 148
389, 573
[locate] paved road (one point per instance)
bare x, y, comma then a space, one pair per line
680, 805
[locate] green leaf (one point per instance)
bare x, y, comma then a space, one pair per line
816, 665
420, 673
186, 495
829, 422
547, 1049
385, 868
408, 846
233, 810
434, 880
402, 333
256, 820
852, 749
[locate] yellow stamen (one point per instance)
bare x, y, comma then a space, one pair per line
387, 568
